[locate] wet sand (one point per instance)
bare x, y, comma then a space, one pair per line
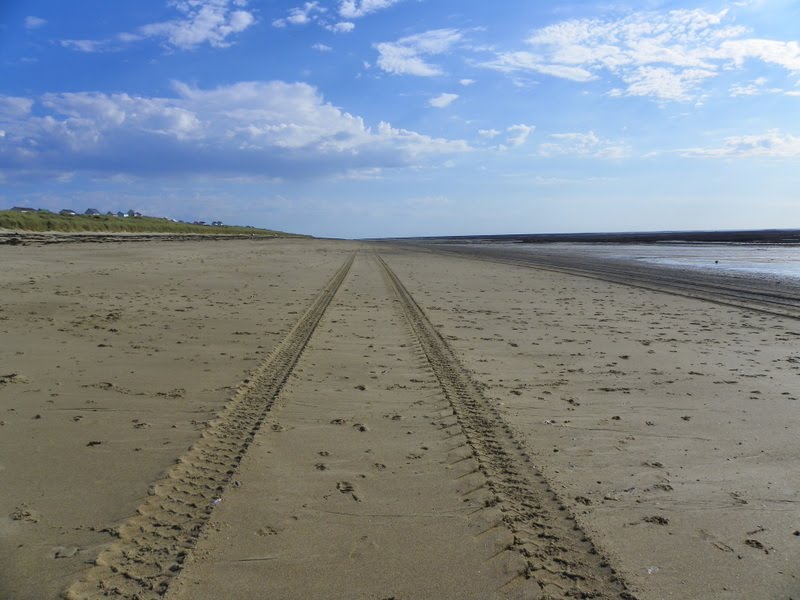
666, 423
666, 426
113, 358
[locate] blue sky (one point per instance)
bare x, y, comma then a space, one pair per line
366, 118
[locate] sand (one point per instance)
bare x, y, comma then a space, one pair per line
120, 354
387, 463
667, 424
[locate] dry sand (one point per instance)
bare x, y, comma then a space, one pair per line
667, 427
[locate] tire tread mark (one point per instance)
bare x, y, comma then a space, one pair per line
738, 297
559, 556
152, 546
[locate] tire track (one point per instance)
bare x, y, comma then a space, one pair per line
558, 555
152, 546
654, 279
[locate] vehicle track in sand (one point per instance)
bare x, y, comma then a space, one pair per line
559, 556
151, 546
659, 279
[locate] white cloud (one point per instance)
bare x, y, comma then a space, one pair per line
582, 144
665, 83
405, 56
511, 62
127, 38
342, 27
489, 133
301, 15
665, 55
355, 9
85, 45
755, 87
32, 22
772, 144
782, 54
258, 129
466, 82
431, 201
12, 107
209, 22
314, 12
443, 100
518, 134
322, 48
203, 22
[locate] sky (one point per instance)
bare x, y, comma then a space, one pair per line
381, 118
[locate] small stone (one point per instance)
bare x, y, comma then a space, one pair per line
64, 552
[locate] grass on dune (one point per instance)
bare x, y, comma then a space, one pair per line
46, 221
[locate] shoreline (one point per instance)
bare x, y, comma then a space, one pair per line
751, 236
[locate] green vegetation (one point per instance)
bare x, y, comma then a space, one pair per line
48, 221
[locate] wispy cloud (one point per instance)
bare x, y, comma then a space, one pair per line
201, 22
756, 87
322, 48
582, 145
443, 100
514, 136
512, 62
14, 107
341, 27
405, 56
338, 21
255, 129
665, 55
301, 15
32, 22
87, 46
355, 9
518, 134
772, 144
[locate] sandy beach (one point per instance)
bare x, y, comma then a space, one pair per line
321, 419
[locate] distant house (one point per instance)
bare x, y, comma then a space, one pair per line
23, 209
121, 214
216, 223
199, 223
92, 212
67, 212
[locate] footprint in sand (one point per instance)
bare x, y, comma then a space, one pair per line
345, 487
